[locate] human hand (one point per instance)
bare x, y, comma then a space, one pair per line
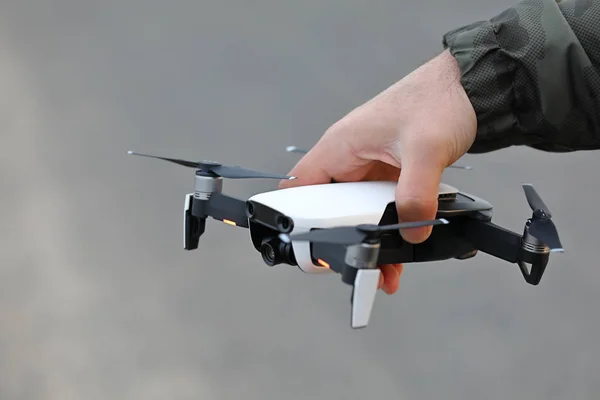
409, 133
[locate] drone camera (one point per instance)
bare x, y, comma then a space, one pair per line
274, 252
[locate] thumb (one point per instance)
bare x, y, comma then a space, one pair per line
417, 197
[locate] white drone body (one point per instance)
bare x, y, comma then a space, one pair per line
331, 205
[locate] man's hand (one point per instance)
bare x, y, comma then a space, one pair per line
409, 133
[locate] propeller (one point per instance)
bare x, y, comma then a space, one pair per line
467, 167
224, 171
295, 149
541, 226
349, 235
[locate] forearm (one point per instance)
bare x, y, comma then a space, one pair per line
532, 74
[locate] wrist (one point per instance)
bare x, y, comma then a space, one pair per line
463, 109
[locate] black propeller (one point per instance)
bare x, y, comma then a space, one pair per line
295, 149
541, 226
224, 171
349, 235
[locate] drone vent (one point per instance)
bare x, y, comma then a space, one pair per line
447, 196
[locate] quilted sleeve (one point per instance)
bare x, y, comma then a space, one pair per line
532, 75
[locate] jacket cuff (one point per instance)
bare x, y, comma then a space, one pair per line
510, 68
487, 75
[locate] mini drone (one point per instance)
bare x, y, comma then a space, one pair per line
350, 228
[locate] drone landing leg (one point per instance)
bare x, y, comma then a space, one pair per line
364, 292
363, 259
357, 266
193, 227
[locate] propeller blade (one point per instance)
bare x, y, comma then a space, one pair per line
295, 149
225, 171
406, 225
236, 172
460, 166
545, 231
534, 199
345, 235
363, 296
185, 163
348, 235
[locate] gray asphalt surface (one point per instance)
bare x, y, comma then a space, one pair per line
99, 301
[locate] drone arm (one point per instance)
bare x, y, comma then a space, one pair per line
493, 239
227, 209
334, 257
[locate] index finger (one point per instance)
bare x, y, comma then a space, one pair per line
330, 159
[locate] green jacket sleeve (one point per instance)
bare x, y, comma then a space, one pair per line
532, 74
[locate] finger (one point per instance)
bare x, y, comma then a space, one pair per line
417, 196
308, 171
391, 277
399, 268
350, 170
330, 159
385, 269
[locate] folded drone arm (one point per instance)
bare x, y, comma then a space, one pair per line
493, 239
531, 257
228, 209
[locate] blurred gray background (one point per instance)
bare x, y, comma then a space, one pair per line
98, 300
